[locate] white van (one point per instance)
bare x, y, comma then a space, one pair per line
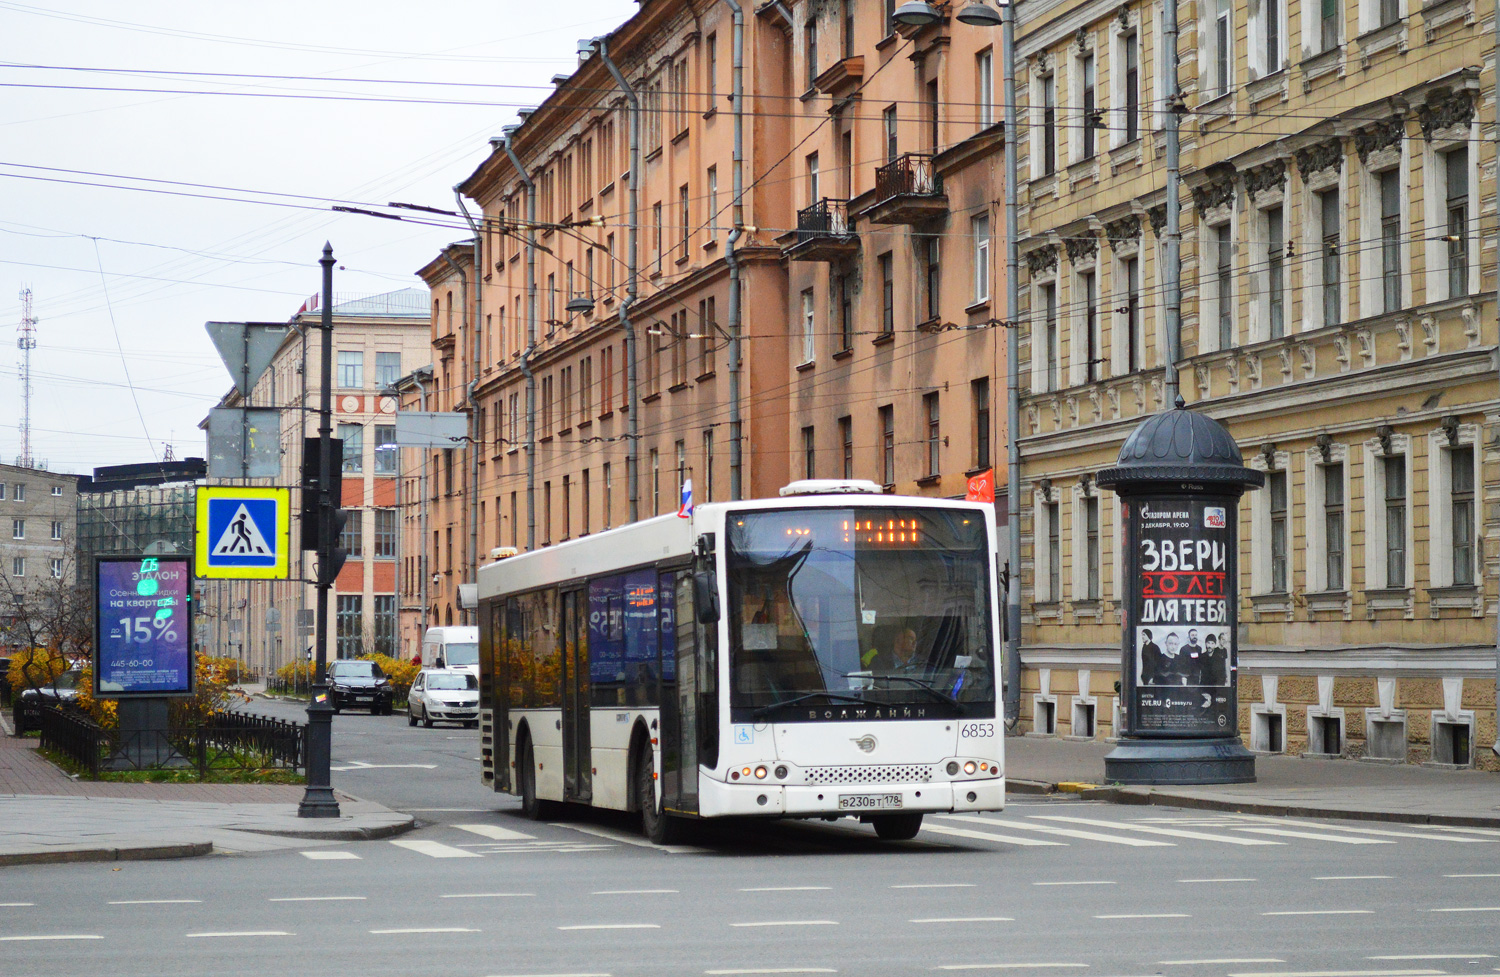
452, 647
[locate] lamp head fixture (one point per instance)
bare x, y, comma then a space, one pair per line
579, 304
916, 13
978, 14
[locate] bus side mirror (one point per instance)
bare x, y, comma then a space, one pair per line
706, 597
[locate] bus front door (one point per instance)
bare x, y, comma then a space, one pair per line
679, 713
578, 784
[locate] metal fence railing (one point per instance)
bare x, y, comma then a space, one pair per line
225, 742
828, 217
911, 173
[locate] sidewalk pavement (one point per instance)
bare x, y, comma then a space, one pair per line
1285, 785
47, 816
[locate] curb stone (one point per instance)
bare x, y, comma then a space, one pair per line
189, 849
1151, 797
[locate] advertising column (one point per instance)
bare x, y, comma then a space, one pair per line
1180, 477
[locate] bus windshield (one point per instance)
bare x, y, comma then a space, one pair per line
460, 653
882, 607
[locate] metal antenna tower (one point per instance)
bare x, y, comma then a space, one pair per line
26, 342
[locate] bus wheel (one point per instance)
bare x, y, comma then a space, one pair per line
661, 828
531, 806
896, 827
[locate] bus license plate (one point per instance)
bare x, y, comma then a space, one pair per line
869, 802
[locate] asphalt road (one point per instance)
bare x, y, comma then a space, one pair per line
1049, 887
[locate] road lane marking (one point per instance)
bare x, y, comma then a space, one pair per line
1468, 909
1170, 832
789, 888
777, 970
487, 895
232, 933
1472, 831
362, 765
423, 929
435, 849
1372, 831
15, 905
1321, 912
632, 892
790, 922
990, 836
965, 919
553, 975
1012, 966
49, 936
494, 832
1218, 960
1348, 878
1346, 973
613, 926
144, 902
1099, 882
1312, 836
630, 839
315, 899
1190, 881
935, 885
324, 856
444, 810
1146, 916
1474, 875
1435, 956
1064, 832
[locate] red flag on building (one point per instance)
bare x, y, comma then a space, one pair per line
982, 487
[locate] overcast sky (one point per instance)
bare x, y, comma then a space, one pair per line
124, 279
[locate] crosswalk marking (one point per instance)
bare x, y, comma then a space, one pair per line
1283, 832
1471, 831
991, 836
1171, 832
434, 849
1374, 831
1064, 832
494, 832
325, 856
631, 839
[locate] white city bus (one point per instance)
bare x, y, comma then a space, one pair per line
828, 653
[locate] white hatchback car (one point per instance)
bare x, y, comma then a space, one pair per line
438, 694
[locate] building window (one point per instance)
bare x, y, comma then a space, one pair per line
584, 521
887, 294
546, 519
934, 120
846, 439
1330, 19
1049, 124
1461, 465
353, 436
57, 527
1275, 272
2, 492
1054, 551
981, 232
351, 368
567, 508
933, 276
1092, 345
846, 310
1132, 47
1223, 250
1394, 470
1050, 346
984, 84
887, 445
607, 488
352, 539
1091, 546
708, 466
680, 448
683, 216
979, 393
56, 491
1333, 526
57, 568
385, 533
18, 529
711, 69
1221, 43
655, 460
18, 566
1276, 488
386, 452
1390, 11
1330, 229
888, 121
1086, 73
713, 203
19, 492
349, 618
387, 369
385, 624
848, 50
1456, 169
934, 436
1131, 269
809, 324
810, 32
809, 453
1271, 47
1390, 239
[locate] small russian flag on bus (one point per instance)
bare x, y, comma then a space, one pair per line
685, 510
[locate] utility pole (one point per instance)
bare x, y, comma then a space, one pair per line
318, 800
1012, 677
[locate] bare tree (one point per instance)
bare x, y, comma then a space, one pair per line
49, 616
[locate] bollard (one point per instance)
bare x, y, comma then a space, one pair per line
1179, 478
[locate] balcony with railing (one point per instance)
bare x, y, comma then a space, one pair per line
908, 190
823, 233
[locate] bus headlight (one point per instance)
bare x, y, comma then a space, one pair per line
970, 767
760, 773
781, 772
953, 768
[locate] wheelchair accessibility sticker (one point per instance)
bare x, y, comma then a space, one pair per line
744, 735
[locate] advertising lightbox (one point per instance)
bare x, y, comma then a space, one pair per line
142, 627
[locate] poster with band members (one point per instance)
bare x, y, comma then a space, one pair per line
1183, 615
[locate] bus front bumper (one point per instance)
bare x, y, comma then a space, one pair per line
718, 799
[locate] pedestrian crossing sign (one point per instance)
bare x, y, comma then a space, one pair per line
243, 533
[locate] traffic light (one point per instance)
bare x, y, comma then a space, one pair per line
310, 457
336, 556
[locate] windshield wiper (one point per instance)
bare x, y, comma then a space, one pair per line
842, 697
925, 687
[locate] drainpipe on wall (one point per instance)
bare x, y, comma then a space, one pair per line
475, 447
731, 257
1495, 747
463, 280
509, 132
1012, 676
633, 447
